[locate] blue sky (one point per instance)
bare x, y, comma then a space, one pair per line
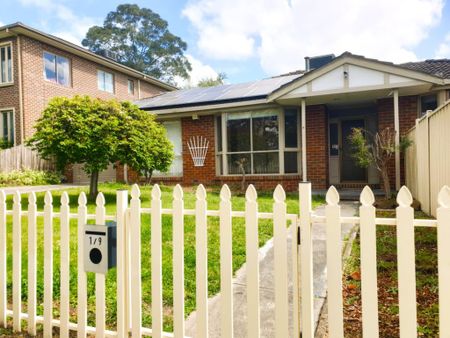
255, 39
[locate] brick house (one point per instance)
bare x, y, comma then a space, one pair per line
296, 126
35, 67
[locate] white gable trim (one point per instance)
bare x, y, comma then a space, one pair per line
362, 74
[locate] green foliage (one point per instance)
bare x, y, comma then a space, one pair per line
28, 177
212, 82
141, 40
144, 145
361, 154
78, 130
5, 144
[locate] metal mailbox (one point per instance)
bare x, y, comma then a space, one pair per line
100, 247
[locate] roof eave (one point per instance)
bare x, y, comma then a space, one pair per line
21, 29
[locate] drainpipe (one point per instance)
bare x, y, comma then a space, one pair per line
397, 140
19, 70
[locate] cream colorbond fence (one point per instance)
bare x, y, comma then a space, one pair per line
129, 279
427, 162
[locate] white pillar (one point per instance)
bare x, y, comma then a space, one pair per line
397, 140
304, 174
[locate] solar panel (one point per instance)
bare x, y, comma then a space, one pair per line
217, 93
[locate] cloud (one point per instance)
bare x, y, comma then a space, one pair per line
68, 25
443, 50
280, 33
199, 71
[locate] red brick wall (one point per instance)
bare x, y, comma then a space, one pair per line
9, 94
37, 91
316, 146
407, 117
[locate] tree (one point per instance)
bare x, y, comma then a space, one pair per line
144, 145
141, 40
95, 133
378, 149
212, 82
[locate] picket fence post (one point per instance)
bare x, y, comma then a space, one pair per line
306, 266
32, 254
406, 264
280, 263
122, 205
369, 293
156, 240
81, 275
65, 265
3, 260
178, 262
252, 252
135, 268
443, 236
48, 265
201, 262
100, 303
17, 261
334, 264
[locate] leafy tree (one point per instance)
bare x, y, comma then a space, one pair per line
95, 133
144, 145
212, 82
141, 40
378, 149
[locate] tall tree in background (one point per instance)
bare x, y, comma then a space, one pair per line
212, 82
141, 40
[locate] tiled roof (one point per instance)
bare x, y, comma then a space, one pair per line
438, 67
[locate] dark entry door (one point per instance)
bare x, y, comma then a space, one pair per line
350, 171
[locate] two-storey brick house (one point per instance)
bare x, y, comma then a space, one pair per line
35, 67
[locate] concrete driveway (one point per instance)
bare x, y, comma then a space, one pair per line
267, 295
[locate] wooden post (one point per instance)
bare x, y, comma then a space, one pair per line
17, 262
32, 265
100, 279
156, 249
82, 278
135, 268
178, 262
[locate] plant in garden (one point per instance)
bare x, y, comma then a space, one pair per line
5, 144
28, 177
377, 149
144, 145
95, 133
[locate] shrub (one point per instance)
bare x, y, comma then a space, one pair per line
28, 177
5, 144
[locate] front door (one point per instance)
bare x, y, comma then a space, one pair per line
350, 171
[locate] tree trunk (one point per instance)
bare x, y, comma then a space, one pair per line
93, 186
386, 182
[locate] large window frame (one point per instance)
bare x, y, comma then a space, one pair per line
221, 147
176, 168
101, 81
7, 65
57, 69
8, 115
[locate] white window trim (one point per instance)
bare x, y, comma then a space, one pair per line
10, 44
56, 69
113, 81
159, 174
281, 146
2, 110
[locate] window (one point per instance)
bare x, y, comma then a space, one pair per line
131, 87
6, 72
7, 126
173, 129
105, 81
56, 69
254, 142
427, 102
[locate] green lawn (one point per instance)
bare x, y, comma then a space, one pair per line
238, 202
426, 282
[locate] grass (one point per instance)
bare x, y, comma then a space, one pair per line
238, 202
426, 281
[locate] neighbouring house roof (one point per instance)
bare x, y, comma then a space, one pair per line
20, 28
267, 90
198, 96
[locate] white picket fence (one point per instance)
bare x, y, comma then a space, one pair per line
129, 281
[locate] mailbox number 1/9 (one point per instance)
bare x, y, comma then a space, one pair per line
93, 240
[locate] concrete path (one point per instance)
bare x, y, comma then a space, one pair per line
267, 297
39, 188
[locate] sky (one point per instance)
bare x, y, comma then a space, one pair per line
255, 39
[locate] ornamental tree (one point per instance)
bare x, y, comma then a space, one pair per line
95, 133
